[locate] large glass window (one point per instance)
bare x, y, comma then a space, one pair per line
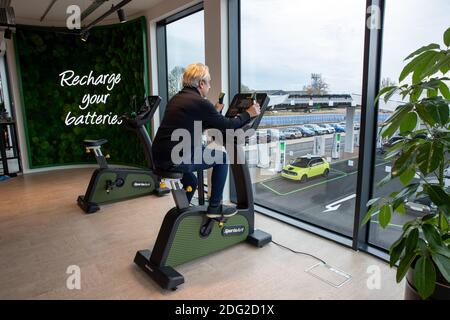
185, 45
308, 56
409, 24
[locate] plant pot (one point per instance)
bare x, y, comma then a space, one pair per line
441, 292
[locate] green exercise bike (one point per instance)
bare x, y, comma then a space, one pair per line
187, 233
109, 185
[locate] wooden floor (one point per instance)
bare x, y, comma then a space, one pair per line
42, 232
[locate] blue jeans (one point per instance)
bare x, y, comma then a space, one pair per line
219, 175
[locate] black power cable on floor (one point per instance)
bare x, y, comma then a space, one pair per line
299, 252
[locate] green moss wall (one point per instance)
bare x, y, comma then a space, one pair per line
43, 54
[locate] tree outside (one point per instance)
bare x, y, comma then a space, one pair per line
317, 86
175, 80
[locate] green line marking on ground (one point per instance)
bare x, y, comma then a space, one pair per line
304, 188
273, 190
339, 171
313, 185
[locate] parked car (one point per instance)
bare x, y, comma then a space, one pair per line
316, 128
338, 127
326, 126
356, 125
303, 168
292, 133
306, 132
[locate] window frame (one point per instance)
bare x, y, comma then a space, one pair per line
161, 51
368, 129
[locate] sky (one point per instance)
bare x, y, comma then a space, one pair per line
284, 41
186, 41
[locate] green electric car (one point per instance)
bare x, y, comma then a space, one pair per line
306, 167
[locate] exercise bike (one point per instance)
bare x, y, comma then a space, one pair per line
187, 233
109, 185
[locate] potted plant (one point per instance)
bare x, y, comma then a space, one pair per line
420, 156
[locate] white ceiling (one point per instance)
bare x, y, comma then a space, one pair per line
30, 11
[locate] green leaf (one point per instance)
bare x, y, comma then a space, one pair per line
385, 180
424, 277
426, 63
444, 90
443, 111
433, 111
428, 218
414, 63
396, 250
444, 69
407, 192
404, 162
442, 250
395, 120
405, 263
424, 112
408, 175
447, 37
444, 61
429, 155
415, 94
412, 240
401, 210
432, 236
443, 223
438, 196
394, 194
408, 225
398, 147
431, 93
390, 93
372, 201
384, 91
373, 211
431, 46
409, 122
384, 217
423, 247
443, 265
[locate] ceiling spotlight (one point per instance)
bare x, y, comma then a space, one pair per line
84, 36
8, 34
122, 16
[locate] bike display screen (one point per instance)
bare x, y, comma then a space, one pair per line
242, 101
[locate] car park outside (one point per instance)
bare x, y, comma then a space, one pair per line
318, 130
327, 127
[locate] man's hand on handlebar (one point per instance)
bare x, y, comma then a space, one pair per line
254, 110
219, 106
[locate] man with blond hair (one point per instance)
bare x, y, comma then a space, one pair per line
186, 107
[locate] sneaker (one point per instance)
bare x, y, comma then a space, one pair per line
221, 211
